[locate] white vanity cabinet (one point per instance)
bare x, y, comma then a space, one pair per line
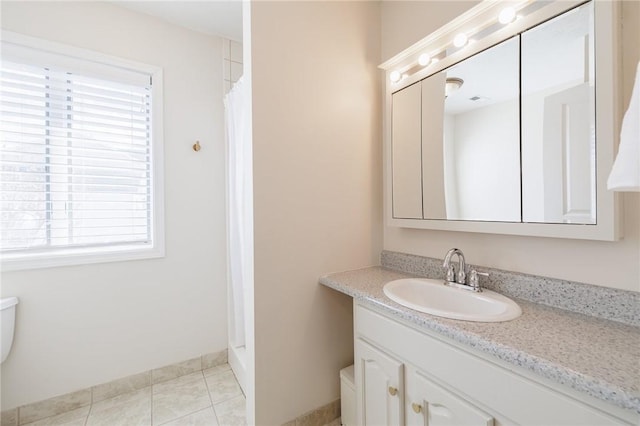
408, 376
382, 390
395, 394
433, 405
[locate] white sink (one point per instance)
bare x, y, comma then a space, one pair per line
435, 298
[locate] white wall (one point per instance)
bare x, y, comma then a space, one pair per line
611, 264
404, 22
317, 192
80, 326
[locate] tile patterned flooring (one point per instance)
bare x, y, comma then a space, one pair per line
210, 397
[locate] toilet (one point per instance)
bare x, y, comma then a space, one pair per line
7, 324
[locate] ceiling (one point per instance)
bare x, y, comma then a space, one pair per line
213, 17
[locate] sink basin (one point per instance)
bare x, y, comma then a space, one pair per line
435, 298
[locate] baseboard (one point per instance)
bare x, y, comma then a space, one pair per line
238, 362
318, 417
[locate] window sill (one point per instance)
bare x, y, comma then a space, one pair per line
78, 256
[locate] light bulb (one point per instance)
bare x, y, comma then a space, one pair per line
424, 59
394, 76
460, 40
507, 15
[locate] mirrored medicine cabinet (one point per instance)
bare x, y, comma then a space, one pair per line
511, 132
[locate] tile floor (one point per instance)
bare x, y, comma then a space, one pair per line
210, 397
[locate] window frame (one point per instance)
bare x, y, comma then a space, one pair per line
46, 258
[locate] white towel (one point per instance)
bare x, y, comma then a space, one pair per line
625, 174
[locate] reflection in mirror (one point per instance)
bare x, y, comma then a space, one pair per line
481, 139
558, 120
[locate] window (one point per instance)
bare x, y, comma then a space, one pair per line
80, 154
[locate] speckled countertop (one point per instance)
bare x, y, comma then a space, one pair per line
596, 356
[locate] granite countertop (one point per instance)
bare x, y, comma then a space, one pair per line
596, 356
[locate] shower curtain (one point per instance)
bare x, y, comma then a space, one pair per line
239, 206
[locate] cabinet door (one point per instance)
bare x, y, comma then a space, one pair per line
432, 405
406, 148
380, 387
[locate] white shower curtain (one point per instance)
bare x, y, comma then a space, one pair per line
239, 207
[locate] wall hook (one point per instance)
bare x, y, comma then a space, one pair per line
196, 146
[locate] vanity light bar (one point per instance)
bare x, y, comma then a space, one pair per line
506, 16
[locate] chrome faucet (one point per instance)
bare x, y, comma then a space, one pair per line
452, 277
459, 279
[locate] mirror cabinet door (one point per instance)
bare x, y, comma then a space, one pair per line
455, 141
482, 136
406, 166
558, 120
434, 182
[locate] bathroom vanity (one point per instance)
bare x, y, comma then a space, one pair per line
501, 123
548, 367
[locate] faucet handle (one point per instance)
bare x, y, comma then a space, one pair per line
462, 277
451, 273
474, 280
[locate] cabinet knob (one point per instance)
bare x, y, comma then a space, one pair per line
393, 391
416, 407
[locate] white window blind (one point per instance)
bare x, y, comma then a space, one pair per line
76, 167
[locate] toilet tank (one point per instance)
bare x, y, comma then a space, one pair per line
7, 324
